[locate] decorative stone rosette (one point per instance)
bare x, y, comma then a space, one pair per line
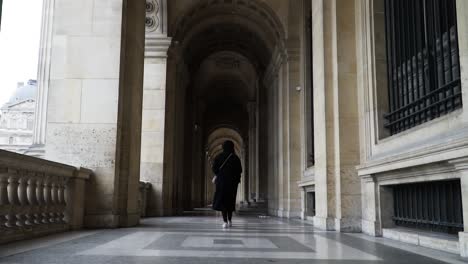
152, 21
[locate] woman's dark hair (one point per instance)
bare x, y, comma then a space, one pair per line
228, 146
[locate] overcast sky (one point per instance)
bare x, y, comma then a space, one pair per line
19, 44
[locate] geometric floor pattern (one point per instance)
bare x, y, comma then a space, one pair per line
200, 239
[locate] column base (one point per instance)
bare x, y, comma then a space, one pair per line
348, 225
371, 228
285, 213
323, 223
463, 240
101, 221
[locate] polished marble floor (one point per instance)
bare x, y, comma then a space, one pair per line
201, 239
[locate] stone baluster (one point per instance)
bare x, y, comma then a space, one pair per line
23, 200
38, 217
61, 199
13, 200
33, 203
4, 203
47, 201
54, 200
67, 192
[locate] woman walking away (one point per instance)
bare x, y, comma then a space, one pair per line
227, 169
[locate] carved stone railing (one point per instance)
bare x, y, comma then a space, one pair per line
39, 197
143, 199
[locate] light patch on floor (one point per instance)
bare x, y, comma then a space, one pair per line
135, 245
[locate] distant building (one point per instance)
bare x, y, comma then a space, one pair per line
17, 118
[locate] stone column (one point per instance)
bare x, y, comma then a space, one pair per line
245, 182
273, 81
335, 116
322, 82
261, 183
253, 158
290, 116
45, 49
240, 190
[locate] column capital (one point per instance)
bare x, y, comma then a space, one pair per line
157, 46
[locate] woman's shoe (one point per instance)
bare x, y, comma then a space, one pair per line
225, 225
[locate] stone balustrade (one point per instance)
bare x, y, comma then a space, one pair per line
39, 197
143, 200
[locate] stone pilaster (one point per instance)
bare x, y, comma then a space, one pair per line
461, 165
371, 224
154, 103
154, 111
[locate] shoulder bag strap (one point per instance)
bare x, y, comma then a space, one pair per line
222, 165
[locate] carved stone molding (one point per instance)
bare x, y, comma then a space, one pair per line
155, 16
152, 15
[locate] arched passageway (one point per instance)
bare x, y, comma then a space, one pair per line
221, 65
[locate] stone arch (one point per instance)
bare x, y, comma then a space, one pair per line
209, 21
260, 11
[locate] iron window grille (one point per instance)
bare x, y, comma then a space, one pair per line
423, 62
435, 206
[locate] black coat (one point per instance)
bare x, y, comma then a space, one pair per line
228, 177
